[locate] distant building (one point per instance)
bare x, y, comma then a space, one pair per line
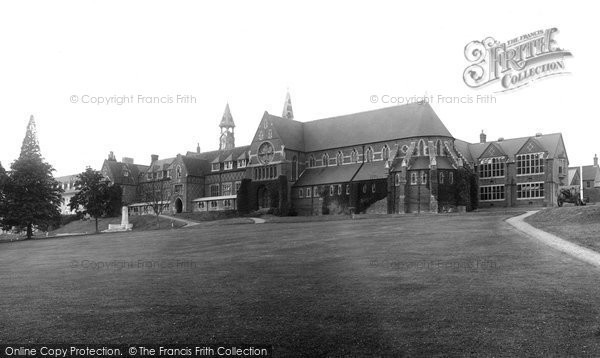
591, 180
67, 183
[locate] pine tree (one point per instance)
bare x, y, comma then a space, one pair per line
32, 195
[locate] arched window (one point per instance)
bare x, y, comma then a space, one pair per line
312, 162
294, 167
438, 147
369, 155
441, 177
178, 172
385, 152
424, 177
325, 159
421, 147
340, 158
353, 156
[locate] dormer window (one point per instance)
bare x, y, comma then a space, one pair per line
215, 167
228, 165
241, 163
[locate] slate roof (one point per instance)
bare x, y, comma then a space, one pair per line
117, 170
372, 170
195, 166
219, 155
290, 132
161, 164
591, 172
410, 120
328, 175
550, 143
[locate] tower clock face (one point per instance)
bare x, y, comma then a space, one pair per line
265, 153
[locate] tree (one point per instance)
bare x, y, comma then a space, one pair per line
155, 192
95, 196
32, 196
3, 181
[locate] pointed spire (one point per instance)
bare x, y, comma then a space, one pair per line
30, 145
287, 107
227, 120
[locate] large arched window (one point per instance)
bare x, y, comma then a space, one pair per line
325, 159
340, 158
385, 152
354, 156
312, 162
438, 147
421, 147
294, 168
369, 155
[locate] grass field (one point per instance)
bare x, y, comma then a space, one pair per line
578, 224
404, 286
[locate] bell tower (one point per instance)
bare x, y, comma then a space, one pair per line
227, 140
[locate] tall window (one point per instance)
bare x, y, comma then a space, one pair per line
178, 172
228, 165
413, 178
369, 155
530, 164
325, 160
214, 190
238, 184
385, 152
530, 190
312, 162
424, 176
353, 156
226, 189
421, 147
215, 167
340, 158
300, 193
438, 147
491, 192
441, 180
491, 168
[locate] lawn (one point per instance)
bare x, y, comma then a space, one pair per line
144, 222
578, 224
443, 285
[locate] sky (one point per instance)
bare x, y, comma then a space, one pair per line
334, 57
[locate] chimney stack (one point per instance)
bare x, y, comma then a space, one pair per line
127, 160
482, 137
153, 158
596, 160
198, 148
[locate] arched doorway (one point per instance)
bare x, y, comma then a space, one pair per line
178, 206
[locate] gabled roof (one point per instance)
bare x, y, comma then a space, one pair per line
290, 132
195, 166
217, 156
410, 120
573, 175
161, 164
591, 172
117, 172
549, 142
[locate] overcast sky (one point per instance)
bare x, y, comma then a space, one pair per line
333, 56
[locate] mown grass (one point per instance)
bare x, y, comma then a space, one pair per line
443, 285
578, 224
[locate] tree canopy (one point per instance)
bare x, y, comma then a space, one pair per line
32, 197
95, 196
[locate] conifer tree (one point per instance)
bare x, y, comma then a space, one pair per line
31, 194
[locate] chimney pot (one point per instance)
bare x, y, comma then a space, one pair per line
482, 137
595, 160
153, 158
500, 139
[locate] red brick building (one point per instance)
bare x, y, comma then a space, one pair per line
402, 157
